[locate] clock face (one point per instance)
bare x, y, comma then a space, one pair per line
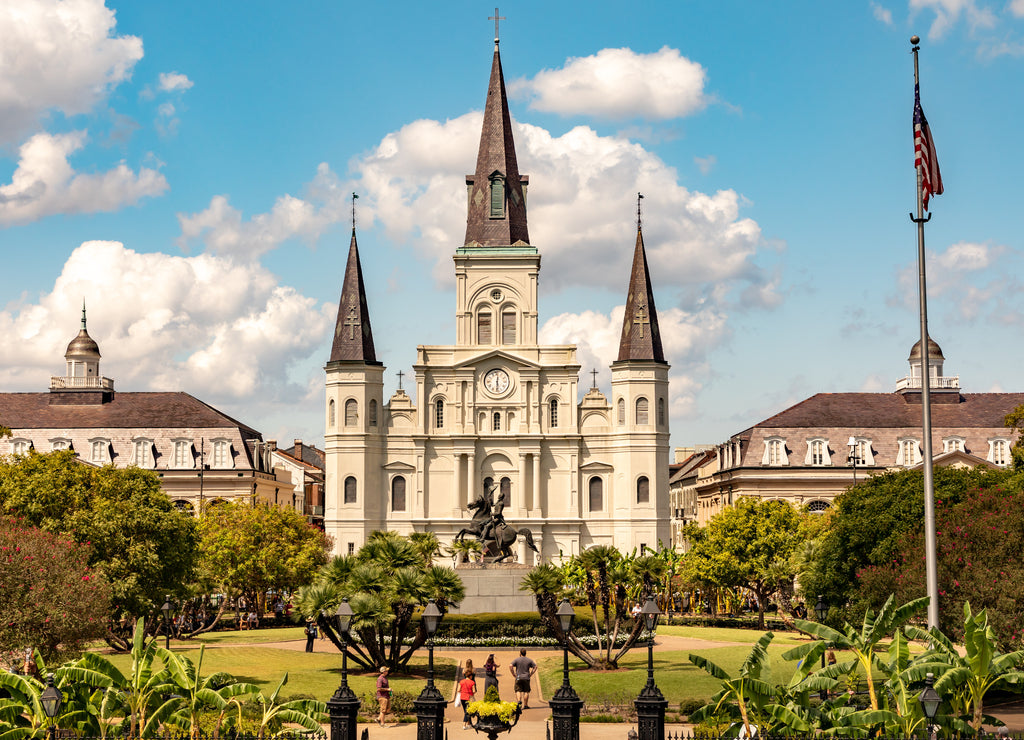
496, 381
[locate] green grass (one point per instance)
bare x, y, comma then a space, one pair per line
730, 634
249, 637
309, 674
674, 674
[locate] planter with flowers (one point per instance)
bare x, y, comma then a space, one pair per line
492, 715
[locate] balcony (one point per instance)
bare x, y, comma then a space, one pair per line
58, 383
938, 383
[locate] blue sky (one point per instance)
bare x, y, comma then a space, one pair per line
185, 168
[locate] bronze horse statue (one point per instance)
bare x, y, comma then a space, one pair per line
500, 536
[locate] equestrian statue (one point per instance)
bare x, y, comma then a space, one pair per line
488, 525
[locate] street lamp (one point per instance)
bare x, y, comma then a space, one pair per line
344, 705
651, 704
430, 705
566, 703
168, 610
852, 459
821, 611
51, 699
930, 701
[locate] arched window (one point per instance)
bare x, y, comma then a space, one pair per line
622, 411
818, 507
350, 490
497, 197
661, 412
372, 413
351, 412
643, 490
483, 327
439, 413
488, 482
506, 490
508, 327
398, 493
641, 412
496, 424
553, 406
596, 487
330, 413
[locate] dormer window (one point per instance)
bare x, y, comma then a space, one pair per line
775, 452
999, 451
183, 457
222, 453
21, 446
60, 443
142, 453
953, 444
817, 452
497, 196
909, 452
99, 451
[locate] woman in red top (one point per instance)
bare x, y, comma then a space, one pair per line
467, 689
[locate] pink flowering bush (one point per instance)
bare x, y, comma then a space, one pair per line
49, 598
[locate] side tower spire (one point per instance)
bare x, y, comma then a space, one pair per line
641, 338
497, 192
353, 337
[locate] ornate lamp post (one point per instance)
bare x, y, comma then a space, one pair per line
930, 701
651, 704
821, 611
566, 703
51, 699
430, 704
344, 705
168, 610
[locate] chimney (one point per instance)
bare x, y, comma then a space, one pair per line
297, 450
271, 445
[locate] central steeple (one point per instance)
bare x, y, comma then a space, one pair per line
497, 192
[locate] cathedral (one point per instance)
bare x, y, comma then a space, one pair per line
496, 407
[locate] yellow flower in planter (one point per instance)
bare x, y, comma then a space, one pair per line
505, 711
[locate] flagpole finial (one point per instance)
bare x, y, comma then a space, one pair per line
915, 40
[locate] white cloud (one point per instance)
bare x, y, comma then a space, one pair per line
619, 84
687, 339
223, 231
58, 55
174, 82
706, 164
1017, 8
948, 13
222, 330
582, 191
45, 183
881, 13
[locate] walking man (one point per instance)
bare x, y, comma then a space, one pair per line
523, 668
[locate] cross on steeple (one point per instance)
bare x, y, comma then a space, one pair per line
594, 373
496, 18
400, 375
641, 318
354, 197
352, 321
639, 197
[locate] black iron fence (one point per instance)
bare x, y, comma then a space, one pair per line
229, 734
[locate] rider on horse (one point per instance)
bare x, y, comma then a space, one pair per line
496, 520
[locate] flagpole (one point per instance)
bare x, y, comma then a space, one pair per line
931, 564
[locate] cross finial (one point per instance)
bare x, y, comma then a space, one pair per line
496, 18
354, 197
400, 375
83, 313
594, 373
639, 197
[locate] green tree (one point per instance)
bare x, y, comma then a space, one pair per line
386, 582
141, 543
746, 546
250, 550
49, 597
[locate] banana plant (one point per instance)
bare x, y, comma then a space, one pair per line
760, 705
21, 708
305, 712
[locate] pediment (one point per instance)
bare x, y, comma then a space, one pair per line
498, 354
399, 465
597, 467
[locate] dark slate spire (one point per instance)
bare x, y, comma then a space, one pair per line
353, 338
497, 198
641, 338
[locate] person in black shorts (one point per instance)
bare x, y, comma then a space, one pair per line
523, 668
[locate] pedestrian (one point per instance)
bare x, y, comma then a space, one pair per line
279, 612
523, 669
310, 634
490, 674
467, 690
383, 694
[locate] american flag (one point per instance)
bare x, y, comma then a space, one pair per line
924, 153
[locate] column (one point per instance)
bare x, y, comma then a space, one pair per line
537, 507
522, 500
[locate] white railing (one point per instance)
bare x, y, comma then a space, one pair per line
941, 382
59, 382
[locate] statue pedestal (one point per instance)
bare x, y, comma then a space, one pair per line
494, 587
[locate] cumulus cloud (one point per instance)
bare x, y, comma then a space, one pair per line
687, 338
697, 242
221, 229
44, 182
58, 55
221, 329
619, 84
881, 13
174, 82
949, 12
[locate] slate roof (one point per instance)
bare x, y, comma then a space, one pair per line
310, 455
353, 337
641, 337
125, 410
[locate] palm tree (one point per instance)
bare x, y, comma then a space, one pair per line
427, 545
465, 551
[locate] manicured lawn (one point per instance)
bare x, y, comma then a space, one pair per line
314, 675
729, 634
674, 674
232, 637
